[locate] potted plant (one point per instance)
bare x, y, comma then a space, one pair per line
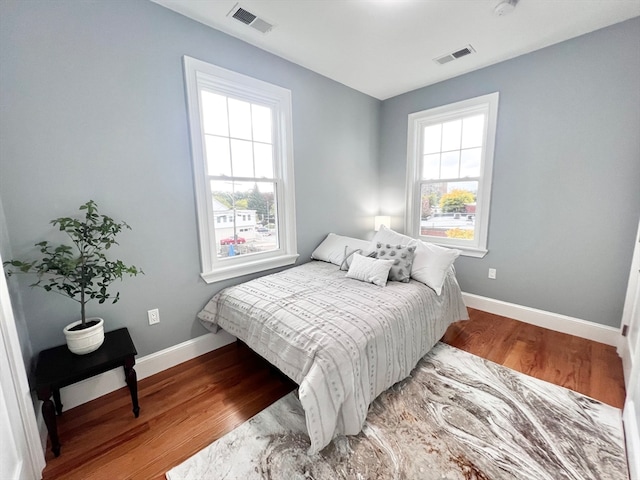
81, 272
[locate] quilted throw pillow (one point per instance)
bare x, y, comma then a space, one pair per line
402, 256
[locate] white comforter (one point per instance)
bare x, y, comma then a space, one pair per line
341, 340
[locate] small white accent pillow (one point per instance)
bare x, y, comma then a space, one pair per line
370, 270
332, 248
431, 264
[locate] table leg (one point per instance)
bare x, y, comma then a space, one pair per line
132, 382
49, 414
57, 401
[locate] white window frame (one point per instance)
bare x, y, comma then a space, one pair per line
417, 122
199, 75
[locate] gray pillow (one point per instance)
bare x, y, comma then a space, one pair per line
402, 256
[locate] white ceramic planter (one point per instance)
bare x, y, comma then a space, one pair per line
87, 340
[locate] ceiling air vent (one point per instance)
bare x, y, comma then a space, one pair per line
250, 19
449, 57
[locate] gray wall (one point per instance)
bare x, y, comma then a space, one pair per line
566, 182
93, 107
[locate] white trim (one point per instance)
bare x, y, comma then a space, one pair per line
541, 318
624, 352
199, 75
15, 394
486, 104
223, 273
632, 437
630, 353
631, 313
467, 251
100, 385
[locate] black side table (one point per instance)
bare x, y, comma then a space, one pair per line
57, 367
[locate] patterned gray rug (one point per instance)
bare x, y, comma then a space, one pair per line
457, 417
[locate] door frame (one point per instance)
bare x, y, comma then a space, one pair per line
629, 350
16, 395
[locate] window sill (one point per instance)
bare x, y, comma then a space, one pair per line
471, 252
465, 251
225, 273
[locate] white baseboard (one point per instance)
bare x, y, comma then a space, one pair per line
95, 387
100, 385
632, 436
541, 318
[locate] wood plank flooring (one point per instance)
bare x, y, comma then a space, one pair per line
187, 407
591, 368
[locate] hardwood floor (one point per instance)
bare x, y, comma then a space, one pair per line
591, 368
187, 407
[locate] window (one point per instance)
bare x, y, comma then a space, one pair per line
242, 152
450, 158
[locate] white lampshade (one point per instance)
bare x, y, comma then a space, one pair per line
381, 220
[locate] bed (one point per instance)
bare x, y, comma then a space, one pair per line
343, 341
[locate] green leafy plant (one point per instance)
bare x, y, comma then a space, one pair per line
81, 272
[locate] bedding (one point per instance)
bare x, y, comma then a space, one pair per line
341, 340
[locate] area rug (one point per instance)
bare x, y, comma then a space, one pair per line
457, 417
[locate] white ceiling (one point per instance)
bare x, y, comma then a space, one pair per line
386, 47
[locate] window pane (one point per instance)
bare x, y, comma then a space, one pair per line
245, 217
472, 131
242, 158
431, 167
451, 132
470, 162
448, 209
218, 156
263, 200
222, 191
261, 123
240, 119
430, 198
432, 138
214, 114
263, 154
450, 165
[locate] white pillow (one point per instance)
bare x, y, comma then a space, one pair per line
332, 248
370, 270
431, 263
386, 235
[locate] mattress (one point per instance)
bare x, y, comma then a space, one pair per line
341, 340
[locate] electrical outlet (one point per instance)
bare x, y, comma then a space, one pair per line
154, 316
492, 273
